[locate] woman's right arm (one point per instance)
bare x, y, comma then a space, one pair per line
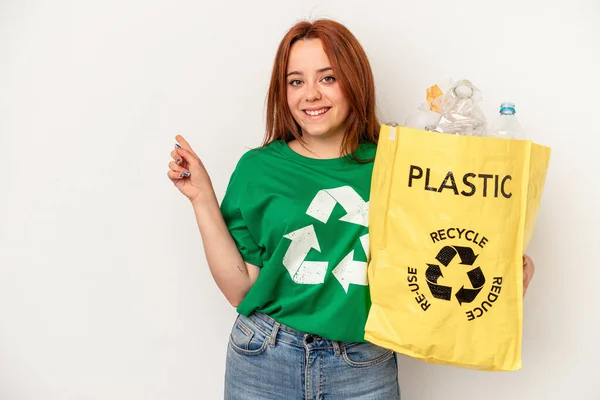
233, 276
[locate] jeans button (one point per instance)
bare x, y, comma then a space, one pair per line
309, 339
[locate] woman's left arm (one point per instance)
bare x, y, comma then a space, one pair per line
528, 270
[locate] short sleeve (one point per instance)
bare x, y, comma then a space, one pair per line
232, 214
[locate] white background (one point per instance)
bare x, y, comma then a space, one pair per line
104, 289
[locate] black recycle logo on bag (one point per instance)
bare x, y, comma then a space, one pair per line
467, 258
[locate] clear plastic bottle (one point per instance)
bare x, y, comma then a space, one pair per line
506, 125
421, 117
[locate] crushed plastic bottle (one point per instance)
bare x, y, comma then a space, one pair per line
506, 125
461, 111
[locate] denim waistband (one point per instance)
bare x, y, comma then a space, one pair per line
279, 332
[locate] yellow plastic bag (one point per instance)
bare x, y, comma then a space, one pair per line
450, 217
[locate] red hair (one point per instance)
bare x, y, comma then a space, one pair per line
353, 72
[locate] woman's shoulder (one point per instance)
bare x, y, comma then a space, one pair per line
366, 150
256, 156
263, 151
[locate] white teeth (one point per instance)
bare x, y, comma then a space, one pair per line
316, 112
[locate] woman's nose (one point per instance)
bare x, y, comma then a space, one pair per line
312, 93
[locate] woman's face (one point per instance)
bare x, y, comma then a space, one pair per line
313, 92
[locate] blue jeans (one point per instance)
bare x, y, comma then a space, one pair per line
270, 361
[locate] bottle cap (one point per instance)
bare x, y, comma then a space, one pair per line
507, 107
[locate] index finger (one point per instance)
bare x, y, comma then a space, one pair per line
184, 144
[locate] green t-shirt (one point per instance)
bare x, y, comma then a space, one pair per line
304, 222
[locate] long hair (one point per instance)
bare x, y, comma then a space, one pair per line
353, 72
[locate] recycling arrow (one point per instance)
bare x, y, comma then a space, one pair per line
477, 279
438, 291
447, 253
349, 271
357, 210
301, 271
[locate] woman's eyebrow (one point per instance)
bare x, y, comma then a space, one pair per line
324, 69
318, 71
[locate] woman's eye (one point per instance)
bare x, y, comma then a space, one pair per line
329, 79
295, 82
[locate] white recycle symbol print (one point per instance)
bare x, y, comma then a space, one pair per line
348, 271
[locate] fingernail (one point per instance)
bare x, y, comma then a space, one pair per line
177, 144
178, 160
181, 175
187, 173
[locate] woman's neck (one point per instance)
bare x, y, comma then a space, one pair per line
318, 147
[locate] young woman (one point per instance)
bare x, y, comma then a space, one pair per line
289, 243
